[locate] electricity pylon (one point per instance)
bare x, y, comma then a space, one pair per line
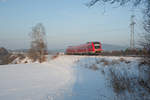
132, 44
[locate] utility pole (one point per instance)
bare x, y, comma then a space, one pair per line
132, 45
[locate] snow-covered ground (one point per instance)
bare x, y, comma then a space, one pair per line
66, 78
46, 81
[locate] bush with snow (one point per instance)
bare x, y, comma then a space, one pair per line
125, 77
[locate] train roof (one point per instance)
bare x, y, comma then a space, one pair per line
93, 42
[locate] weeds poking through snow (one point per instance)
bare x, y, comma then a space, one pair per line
144, 80
105, 62
103, 72
94, 67
114, 62
129, 87
122, 60
119, 83
97, 61
145, 84
127, 62
55, 56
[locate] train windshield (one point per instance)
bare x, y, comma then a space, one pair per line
97, 45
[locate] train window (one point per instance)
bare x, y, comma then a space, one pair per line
97, 47
96, 42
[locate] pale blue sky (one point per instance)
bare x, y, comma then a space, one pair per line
67, 22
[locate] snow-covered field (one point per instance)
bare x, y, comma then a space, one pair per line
46, 81
68, 78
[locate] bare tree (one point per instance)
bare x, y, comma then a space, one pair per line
38, 43
120, 2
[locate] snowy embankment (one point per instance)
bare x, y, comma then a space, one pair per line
46, 81
74, 78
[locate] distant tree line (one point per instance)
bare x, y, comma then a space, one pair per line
127, 52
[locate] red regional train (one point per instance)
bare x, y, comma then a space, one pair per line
88, 48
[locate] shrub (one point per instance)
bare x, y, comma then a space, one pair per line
5, 56
6, 59
3, 52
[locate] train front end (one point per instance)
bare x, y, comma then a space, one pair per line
97, 47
